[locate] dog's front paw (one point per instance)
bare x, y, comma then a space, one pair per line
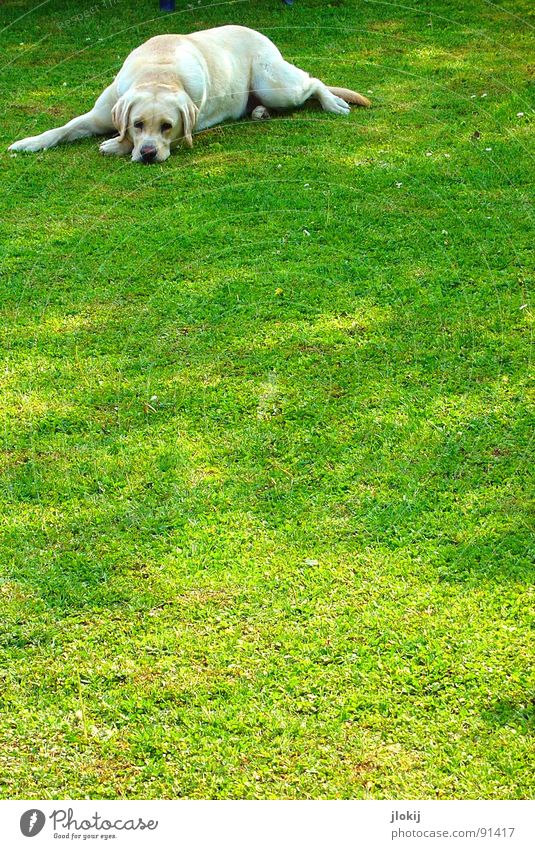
30, 145
114, 147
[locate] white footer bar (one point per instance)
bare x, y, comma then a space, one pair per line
204, 824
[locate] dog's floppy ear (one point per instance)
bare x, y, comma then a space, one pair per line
121, 113
189, 113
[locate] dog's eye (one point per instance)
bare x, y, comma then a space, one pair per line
166, 126
138, 125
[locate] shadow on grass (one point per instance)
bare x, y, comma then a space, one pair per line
291, 360
348, 430
514, 714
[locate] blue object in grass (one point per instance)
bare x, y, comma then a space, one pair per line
167, 5
288, 2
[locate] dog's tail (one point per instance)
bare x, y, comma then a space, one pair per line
350, 96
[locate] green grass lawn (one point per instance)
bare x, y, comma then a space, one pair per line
266, 435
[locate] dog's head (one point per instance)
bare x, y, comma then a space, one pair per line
153, 118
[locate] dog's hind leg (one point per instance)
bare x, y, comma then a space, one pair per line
282, 86
97, 122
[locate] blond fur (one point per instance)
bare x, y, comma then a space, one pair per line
174, 85
350, 96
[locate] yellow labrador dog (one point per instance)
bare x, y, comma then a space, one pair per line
174, 85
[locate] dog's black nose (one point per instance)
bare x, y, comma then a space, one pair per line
148, 153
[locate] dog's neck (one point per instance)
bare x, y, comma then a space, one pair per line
159, 80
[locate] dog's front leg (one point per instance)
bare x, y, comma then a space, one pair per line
78, 128
89, 124
96, 122
115, 147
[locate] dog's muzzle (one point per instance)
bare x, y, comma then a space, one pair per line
148, 153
